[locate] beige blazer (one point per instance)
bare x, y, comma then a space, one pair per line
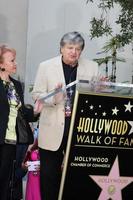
52, 118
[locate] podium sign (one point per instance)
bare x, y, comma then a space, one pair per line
98, 163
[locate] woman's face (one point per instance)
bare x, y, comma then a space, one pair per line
71, 53
9, 63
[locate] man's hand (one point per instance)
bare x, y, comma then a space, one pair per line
38, 106
60, 95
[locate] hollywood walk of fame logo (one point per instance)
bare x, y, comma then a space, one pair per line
116, 110
112, 184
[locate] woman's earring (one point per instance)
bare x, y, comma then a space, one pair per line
2, 69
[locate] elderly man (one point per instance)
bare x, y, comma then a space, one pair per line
56, 111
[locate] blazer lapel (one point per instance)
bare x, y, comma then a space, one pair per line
60, 72
80, 71
3, 95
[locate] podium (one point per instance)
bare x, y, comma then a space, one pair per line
98, 161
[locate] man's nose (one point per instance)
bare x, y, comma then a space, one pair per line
74, 51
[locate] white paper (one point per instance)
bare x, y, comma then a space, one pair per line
33, 165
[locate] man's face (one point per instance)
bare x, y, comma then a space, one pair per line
71, 53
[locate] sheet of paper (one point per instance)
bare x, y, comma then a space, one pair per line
33, 165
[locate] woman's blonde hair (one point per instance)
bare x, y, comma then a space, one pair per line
5, 48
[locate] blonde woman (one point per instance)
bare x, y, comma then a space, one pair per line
11, 101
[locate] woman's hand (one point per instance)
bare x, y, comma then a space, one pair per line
24, 166
37, 167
